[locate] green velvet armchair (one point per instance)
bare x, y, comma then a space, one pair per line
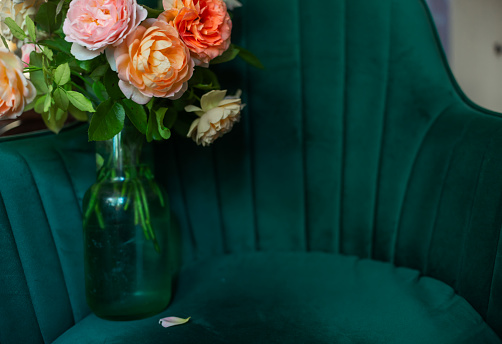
358, 201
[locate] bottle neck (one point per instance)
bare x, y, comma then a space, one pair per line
120, 158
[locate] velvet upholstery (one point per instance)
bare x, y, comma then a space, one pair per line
355, 142
244, 299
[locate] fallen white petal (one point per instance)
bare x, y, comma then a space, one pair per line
173, 321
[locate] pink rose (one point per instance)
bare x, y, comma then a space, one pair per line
93, 25
15, 90
26, 50
152, 62
204, 26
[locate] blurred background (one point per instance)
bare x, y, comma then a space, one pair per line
471, 33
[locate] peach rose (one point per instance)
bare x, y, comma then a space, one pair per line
217, 116
152, 62
15, 90
93, 25
204, 26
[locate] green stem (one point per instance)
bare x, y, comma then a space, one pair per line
128, 202
158, 192
99, 216
147, 217
124, 185
136, 215
141, 214
81, 78
31, 69
90, 206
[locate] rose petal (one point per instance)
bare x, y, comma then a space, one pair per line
110, 51
231, 4
168, 4
173, 321
204, 25
15, 90
83, 54
214, 121
133, 93
211, 99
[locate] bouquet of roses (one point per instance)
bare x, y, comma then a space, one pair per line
113, 59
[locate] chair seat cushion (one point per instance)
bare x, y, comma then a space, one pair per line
300, 298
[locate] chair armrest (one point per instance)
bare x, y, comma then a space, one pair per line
42, 181
452, 214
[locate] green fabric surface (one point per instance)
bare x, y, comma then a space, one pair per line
41, 285
355, 140
300, 298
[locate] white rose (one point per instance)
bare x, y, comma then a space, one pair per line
217, 116
17, 10
6, 11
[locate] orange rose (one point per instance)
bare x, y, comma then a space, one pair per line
15, 90
204, 26
153, 62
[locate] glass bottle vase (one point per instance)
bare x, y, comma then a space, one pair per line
126, 232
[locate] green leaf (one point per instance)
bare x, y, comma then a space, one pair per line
5, 42
100, 91
155, 128
100, 161
196, 78
61, 99
203, 87
46, 17
36, 59
55, 119
230, 54
250, 58
78, 114
48, 52
171, 117
107, 122
111, 82
62, 74
136, 114
37, 77
58, 44
99, 72
39, 104
204, 79
87, 65
61, 58
80, 101
30, 105
149, 105
31, 29
48, 102
59, 114
152, 13
15, 29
